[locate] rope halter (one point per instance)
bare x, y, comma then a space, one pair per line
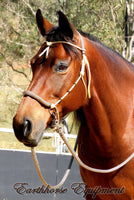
58, 127
81, 75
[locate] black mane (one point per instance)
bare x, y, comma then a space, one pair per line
95, 39
90, 37
56, 35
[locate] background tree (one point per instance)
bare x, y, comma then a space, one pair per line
129, 31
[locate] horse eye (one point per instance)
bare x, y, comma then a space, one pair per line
61, 67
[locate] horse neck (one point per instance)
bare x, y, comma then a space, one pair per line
109, 119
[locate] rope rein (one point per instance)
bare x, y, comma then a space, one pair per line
78, 160
58, 128
36, 163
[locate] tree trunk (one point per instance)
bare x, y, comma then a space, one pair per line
129, 30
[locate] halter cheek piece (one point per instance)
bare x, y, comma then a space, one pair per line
59, 128
81, 75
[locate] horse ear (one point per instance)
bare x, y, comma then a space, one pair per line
66, 28
43, 25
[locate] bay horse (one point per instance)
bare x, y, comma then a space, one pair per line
103, 99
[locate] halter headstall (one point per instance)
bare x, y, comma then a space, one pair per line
81, 75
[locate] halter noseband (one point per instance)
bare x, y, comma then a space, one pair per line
81, 75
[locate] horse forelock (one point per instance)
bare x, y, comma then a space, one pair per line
56, 35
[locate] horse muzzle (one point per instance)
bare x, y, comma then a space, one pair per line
27, 131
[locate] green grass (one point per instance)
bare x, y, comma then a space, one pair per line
9, 141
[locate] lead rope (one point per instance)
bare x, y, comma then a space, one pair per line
78, 160
36, 163
40, 174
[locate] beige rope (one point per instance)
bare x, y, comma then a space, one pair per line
78, 160
87, 167
36, 163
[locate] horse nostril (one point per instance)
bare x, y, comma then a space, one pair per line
27, 127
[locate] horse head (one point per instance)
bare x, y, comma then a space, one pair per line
55, 68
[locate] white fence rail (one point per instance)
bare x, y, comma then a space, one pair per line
56, 141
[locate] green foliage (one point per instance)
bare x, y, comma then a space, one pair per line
19, 35
20, 39
101, 18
